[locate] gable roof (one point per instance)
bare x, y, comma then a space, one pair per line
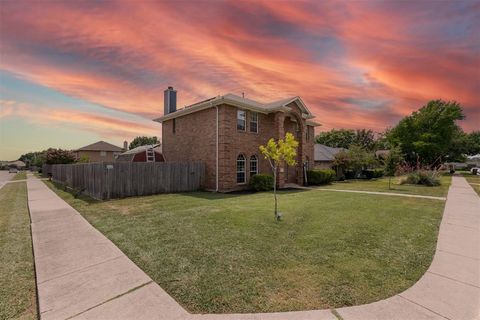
325, 153
100, 146
155, 147
244, 103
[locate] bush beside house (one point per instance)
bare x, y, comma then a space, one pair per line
322, 176
261, 182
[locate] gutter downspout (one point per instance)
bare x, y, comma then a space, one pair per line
216, 165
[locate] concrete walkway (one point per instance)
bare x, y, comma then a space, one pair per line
82, 275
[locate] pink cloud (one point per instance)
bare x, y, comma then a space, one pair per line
390, 58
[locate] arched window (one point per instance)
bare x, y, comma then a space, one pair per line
241, 169
253, 165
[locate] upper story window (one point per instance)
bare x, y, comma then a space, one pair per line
307, 133
174, 125
253, 122
253, 165
241, 169
103, 153
241, 120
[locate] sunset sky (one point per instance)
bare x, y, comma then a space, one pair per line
75, 72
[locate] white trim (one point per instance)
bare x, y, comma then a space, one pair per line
239, 102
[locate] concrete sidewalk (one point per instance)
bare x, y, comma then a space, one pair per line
450, 289
82, 275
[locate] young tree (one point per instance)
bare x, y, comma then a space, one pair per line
285, 151
392, 161
142, 141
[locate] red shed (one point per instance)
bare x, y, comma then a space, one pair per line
147, 153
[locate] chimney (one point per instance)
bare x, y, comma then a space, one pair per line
169, 101
125, 145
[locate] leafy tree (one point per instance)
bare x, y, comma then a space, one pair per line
142, 141
365, 139
59, 156
393, 159
285, 151
36, 158
355, 158
83, 159
473, 143
342, 138
427, 134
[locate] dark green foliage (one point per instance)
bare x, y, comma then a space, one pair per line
36, 158
261, 182
322, 176
342, 138
345, 138
372, 173
142, 141
424, 177
427, 134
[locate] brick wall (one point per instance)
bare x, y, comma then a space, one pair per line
195, 140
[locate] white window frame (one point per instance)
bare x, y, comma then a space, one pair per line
253, 160
239, 113
241, 158
252, 116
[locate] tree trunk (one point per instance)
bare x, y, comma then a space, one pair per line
389, 181
275, 191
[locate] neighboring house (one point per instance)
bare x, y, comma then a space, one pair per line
146, 153
473, 160
100, 151
324, 156
226, 131
13, 164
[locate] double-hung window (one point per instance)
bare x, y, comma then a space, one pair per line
253, 165
241, 169
241, 120
253, 122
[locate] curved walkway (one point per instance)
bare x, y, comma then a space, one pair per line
83, 275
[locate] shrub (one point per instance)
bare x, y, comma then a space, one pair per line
261, 182
378, 173
322, 176
349, 174
423, 177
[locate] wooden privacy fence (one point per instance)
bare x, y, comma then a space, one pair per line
125, 179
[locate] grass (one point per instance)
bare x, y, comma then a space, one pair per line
217, 253
381, 185
474, 181
17, 279
20, 175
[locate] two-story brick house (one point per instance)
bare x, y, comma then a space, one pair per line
226, 131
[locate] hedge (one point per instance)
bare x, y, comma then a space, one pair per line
322, 176
261, 182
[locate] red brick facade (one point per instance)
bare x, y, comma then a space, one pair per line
192, 137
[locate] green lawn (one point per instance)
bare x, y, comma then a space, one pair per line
474, 181
21, 175
17, 278
217, 253
381, 185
